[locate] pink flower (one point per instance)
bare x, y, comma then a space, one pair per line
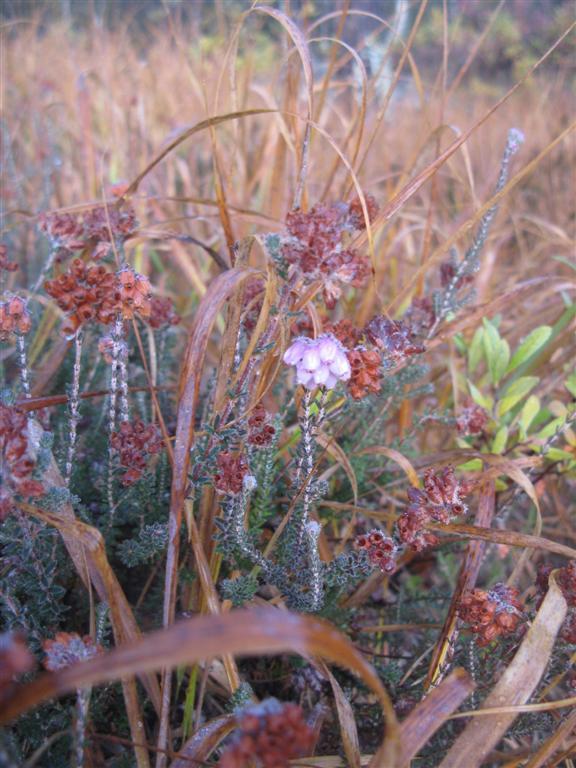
319, 362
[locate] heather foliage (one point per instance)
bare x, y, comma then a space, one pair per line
295, 379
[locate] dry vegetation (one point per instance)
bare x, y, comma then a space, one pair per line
191, 163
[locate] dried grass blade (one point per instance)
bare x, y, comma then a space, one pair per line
514, 687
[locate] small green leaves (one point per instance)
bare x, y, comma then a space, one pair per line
531, 344
496, 350
515, 392
529, 411
570, 384
475, 350
484, 401
500, 440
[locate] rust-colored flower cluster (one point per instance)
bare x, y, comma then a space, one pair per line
491, 614
231, 471
88, 293
317, 242
345, 331
260, 431
17, 463
14, 317
380, 549
440, 500
472, 420
15, 658
92, 230
84, 293
394, 338
135, 442
366, 367
67, 648
162, 313
420, 317
271, 734
5, 263
252, 303
356, 214
566, 579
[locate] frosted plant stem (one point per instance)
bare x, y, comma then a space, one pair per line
312, 529
308, 444
74, 406
123, 369
46, 267
23, 364
116, 340
82, 706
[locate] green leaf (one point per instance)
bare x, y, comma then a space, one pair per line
557, 454
530, 346
480, 399
474, 465
500, 440
516, 392
475, 350
528, 413
497, 352
570, 384
551, 428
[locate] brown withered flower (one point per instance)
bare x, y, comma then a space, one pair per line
491, 614
271, 734
356, 214
5, 263
231, 471
380, 549
162, 313
420, 317
345, 331
566, 580
472, 420
17, 462
67, 648
133, 294
260, 431
14, 317
366, 366
135, 442
394, 337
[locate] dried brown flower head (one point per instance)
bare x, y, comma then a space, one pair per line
5, 263
17, 463
271, 733
366, 365
231, 471
491, 614
135, 442
133, 294
260, 431
345, 331
356, 214
67, 648
380, 549
394, 337
162, 313
472, 420
14, 317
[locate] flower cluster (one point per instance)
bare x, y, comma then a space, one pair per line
84, 293
380, 549
472, 420
491, 614
135, 442
133, 294
316, 243
260, 431
68, 648
439, 501
252, 303
17, 464
231, 471
15, 658
420, 317
567, 582
319, 362
394, 338
94, 293
366, 367
356, 214
94, 229
14, 317
271, 733
5, 263
162, 313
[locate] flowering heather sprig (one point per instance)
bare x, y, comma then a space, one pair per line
68, 648
15, 658
439, 501
135, 442
472, 420
89, 229
315, 243
319, 362
84, 293
395, 338
491, 614
271, 733
14, 317
5, 264
380, 549
231, 472
162, 314
260, 431
366, 367
17, 463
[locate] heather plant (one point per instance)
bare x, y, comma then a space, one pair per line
287, 409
